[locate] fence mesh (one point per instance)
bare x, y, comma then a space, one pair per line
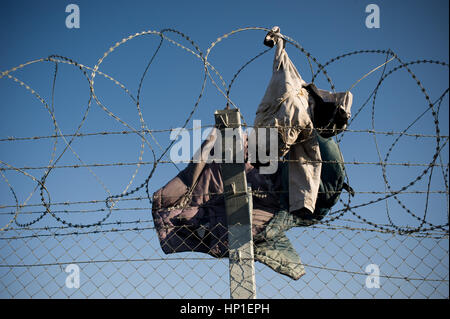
125, 261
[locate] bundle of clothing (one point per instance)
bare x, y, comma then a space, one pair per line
189, 211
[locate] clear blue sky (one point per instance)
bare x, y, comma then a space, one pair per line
32, 30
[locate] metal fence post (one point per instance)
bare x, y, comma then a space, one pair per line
238, 206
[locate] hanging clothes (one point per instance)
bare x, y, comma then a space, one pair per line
189, 215
286, 106
300, 111
189, 211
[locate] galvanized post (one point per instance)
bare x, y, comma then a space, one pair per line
238, 206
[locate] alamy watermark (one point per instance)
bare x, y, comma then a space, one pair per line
373, 19
254, 145
373, 279
73, 19
73, 277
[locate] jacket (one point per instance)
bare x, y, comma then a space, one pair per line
189, 215
300, 111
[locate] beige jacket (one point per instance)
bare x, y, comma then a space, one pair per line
289, 107
286, 106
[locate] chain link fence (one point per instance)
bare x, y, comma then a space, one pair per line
124, 260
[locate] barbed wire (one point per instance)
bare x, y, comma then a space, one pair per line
424, 234
13, 138
24, 168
